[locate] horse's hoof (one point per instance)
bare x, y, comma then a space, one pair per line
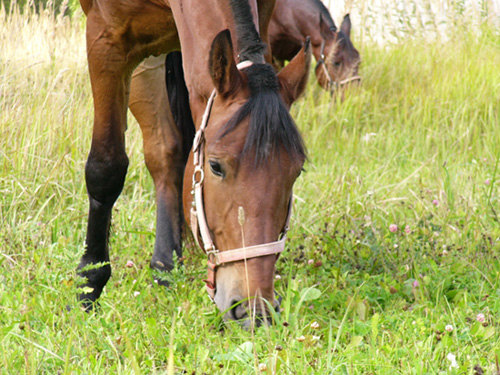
161, 282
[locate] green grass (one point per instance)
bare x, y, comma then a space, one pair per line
423, 127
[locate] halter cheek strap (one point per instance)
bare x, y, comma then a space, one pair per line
198, 221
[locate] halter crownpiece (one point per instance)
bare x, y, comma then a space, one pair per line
244, 64
198, 221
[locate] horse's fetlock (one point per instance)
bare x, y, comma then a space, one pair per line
163, 265
95, 276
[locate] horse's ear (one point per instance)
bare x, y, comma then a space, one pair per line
346, 25
327, 32
221, 64
293, 77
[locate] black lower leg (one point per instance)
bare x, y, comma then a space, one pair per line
104, 184
168, 237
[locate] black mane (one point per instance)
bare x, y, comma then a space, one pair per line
326, 14
250, 45
271, 125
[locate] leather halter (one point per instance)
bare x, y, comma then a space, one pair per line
198, 221
331, 84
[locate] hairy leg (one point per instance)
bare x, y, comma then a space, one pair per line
163, 154
107, 161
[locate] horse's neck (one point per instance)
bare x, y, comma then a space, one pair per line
198, 22
304, 21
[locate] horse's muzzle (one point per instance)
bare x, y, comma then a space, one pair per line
254, 313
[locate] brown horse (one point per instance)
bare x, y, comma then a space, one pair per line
248, 151
294, 20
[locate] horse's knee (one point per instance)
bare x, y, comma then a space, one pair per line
164, 159
105, 177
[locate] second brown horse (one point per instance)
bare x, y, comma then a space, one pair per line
295, 20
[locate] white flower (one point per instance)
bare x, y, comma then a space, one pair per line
314, 325
480, 318
278, 277
449, 328
316, 338
301, 338
262, 367
451, 357
136, 293
367, 136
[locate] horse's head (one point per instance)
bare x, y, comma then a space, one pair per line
245, 164
339, 61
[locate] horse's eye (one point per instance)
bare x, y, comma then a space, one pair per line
216, 168
337, 63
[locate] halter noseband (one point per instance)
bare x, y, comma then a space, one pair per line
331, 84
198, 221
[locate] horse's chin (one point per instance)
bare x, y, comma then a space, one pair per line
249, 323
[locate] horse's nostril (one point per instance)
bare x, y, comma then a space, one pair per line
238, 310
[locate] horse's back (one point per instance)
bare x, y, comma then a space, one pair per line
139, 28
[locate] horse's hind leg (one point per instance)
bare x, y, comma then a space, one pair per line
163, 154
107, 161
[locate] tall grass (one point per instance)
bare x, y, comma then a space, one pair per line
416, 146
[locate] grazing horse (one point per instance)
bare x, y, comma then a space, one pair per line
294, 20
236, 182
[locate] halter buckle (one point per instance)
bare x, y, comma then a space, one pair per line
198, 172
212, 256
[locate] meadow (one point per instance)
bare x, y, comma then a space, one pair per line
392, 264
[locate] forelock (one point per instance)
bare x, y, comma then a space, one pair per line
270, 124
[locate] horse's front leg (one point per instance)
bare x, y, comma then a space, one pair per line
107, 161
163, 152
